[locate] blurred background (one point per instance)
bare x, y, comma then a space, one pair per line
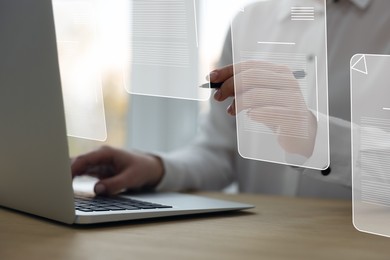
101, 30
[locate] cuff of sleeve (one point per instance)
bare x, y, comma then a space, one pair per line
320, 156
320, 159
172, 180
167, 179
340, 146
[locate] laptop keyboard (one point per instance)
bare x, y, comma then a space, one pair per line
86, 204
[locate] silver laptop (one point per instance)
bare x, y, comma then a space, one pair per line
35, 172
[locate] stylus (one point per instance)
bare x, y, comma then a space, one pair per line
298, 74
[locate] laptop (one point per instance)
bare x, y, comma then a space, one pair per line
34, 160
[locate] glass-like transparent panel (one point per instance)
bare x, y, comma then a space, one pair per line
80, 67
281, 83
370, 105
163, 49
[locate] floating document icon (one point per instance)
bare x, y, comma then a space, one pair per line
80, 68
281, 83
163, 50
370, 104
360, 65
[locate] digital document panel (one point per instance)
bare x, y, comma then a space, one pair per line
163, 50
80, 68
370, 106
280, 76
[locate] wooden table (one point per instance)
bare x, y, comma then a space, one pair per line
278, 228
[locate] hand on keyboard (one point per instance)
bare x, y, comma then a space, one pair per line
118, 170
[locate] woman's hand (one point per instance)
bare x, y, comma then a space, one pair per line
118, 170
270, 94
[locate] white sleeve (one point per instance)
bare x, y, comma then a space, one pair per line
341, 150
340, 170
208, 162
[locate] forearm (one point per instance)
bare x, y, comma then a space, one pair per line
196, 168
208, 163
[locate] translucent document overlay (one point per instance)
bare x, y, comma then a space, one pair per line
281, 83
163, 50
370, 102
78, 50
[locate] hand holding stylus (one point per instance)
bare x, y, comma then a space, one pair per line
269, 94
